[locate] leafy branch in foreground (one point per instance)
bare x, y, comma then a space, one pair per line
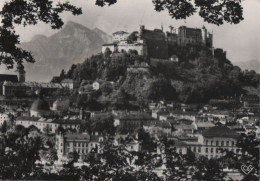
27, 12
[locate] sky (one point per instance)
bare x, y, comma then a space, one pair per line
241, 41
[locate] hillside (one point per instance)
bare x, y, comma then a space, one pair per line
71, 45
196, 78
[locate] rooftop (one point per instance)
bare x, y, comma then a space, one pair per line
220, 131
8, 77
78, 136
120, 32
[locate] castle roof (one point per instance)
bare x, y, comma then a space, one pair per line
220, 131
153, 34
8, 77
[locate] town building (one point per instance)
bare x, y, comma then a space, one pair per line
7, 77
183, 127
95, 143
131, 143
251, 101
61, 104
130, 122
67, 143
161, 128
4, 118
68, 83
120, 36
188, 115
27, 88
50, 124
215, 140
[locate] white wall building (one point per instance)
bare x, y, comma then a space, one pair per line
3, 118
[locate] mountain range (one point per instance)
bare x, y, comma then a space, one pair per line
71, 45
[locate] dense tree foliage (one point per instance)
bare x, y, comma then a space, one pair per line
116, 162
197, 77
18, 159
215, 12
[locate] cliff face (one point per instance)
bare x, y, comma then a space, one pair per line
71, 45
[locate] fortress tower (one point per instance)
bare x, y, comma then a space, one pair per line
204, 34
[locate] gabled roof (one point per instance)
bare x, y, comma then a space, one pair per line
78, 136
120, 32
8, 77
220, 131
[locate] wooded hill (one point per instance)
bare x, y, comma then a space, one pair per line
197, 77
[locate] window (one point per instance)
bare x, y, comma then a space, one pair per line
222, 143
212, 150
211, 142
199, 149
227, 143
233, 143
207, 150
207, 142
194, 149
216, 143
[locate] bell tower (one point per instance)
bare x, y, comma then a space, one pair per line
21, 72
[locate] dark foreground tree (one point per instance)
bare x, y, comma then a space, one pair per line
247, 155
18, 159
212, 11
27, 12
30, 12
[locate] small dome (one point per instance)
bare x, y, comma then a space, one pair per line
40, 105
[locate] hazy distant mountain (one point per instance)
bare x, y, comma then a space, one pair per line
70, 45
249, 65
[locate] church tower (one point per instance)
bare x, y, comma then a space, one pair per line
21, 73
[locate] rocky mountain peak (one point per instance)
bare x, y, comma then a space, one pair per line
71, 45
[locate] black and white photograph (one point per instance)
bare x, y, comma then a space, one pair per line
130, 90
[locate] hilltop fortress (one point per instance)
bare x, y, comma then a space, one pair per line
156, 43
